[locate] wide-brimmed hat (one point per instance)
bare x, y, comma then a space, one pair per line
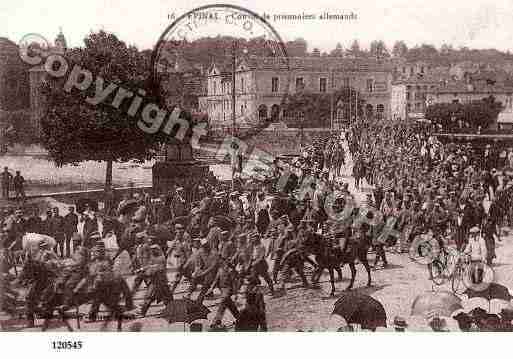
474, 230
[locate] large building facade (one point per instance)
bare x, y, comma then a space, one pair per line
262, 83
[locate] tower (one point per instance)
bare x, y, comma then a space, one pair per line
60, 42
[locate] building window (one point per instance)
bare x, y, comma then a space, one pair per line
422, 69
322, 84
380, 111
370, 85
242, 85
408, 107
274, 84
346, 82
300, 85
404, 70
408, 95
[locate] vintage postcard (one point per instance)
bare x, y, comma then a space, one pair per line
258, 166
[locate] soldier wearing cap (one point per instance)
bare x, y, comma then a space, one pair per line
40, 287
227, 248
194, 226
277, 245
290, 245
229, 285
259, 267
182, 249
214, 234
99, 272
77, 271
155, 270
205, 270
142, 254
178, 204
131, 237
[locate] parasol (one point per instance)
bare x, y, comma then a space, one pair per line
361, 309
441, 303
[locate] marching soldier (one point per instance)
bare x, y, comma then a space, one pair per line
182, 249
99, 271
205, 270
277, 245
228, 283
259, 267
39, 285
178, 204
290, 245
155, 270
76, 272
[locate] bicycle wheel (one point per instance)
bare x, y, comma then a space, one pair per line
437, 272
458, 286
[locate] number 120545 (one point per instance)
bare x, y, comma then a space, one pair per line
66, 345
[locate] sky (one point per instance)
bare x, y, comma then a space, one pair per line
472, 23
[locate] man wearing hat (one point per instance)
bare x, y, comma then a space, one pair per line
132, 236
205, 270
227, 248
204, 210
178, 204
476, 248
75, 273
142, 256
40, 287
229, 285
259, 267
194, 226
277, 244
155, 270
99, 271
214, 234
182, 249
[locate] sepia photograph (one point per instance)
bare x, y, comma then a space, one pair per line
255, 167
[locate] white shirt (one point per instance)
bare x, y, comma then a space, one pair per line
477, 249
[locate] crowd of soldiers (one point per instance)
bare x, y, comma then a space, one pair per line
226, 237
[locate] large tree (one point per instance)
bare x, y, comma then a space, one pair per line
400, 49
476, 113
378, 49
308, 109
75, 130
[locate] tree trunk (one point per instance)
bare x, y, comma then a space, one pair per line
108, 175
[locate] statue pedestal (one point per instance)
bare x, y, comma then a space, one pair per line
178, 169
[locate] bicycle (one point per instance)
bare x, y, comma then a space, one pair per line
459, 273
440, 267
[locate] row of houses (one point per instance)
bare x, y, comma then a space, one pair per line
389, 88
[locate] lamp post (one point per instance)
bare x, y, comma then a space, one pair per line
235, 47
